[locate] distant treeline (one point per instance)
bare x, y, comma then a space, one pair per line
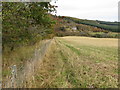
111, 26
68, 27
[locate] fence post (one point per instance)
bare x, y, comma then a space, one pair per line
14, 76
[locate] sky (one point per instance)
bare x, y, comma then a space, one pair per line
105, 10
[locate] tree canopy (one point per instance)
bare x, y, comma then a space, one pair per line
26, 22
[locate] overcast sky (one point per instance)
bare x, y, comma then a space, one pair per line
106, 10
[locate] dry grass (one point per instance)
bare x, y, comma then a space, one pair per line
107, 42
99, 58
19, 57
72, 62
75, 62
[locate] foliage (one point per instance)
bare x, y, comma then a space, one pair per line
25, 23
66, 24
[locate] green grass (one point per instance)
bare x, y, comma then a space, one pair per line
73, 49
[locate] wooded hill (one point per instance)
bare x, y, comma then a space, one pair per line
73, 26
111, 26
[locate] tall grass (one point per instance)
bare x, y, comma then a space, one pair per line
17, 57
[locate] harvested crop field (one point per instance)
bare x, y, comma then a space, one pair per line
82, 62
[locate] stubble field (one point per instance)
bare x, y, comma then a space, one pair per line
79, 62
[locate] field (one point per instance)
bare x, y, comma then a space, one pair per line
67, 62
79, 62
42, 50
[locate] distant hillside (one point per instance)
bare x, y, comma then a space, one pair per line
111, 26
69, 26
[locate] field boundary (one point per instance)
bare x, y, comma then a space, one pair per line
20, 78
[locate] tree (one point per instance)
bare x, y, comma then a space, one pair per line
18, 17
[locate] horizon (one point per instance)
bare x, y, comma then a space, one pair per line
92, 10
89, 19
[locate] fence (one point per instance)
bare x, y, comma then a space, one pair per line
20, 76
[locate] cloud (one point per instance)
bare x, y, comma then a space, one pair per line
89, 9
